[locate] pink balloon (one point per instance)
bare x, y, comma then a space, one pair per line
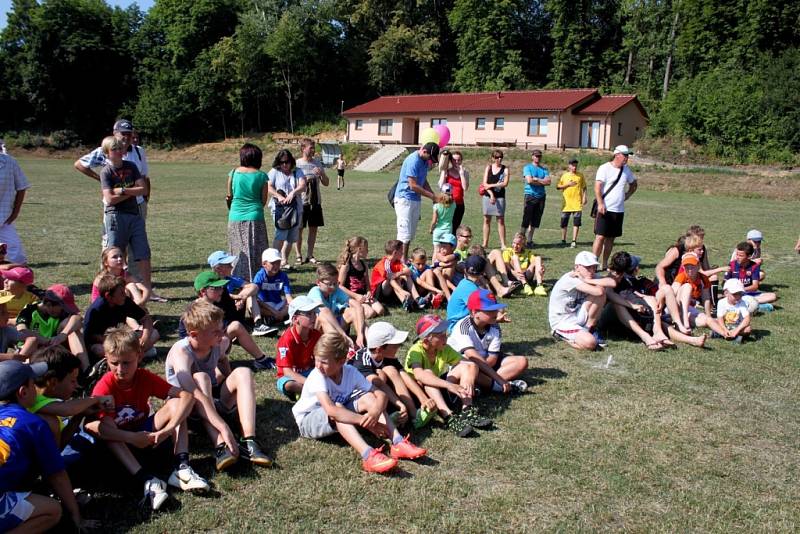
444, 134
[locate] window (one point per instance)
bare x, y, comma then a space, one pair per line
499, 123
385, 127
436, 122
537, 127
619, 128
359, 124
480, 123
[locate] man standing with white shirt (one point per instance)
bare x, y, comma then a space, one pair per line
611, 194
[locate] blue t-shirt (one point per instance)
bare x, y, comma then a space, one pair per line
336, 302
535, 190
235, 283
27, 448
457, 306
272, 288
414, 166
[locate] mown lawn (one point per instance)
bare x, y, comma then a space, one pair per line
689, 440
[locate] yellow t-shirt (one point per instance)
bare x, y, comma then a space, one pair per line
15, 305
526, 257
573, 195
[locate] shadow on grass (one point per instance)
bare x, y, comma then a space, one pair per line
528, 348
174, 268
44, 264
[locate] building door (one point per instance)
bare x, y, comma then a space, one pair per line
590, 134
416, 133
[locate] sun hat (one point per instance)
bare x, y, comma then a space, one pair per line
430, 324
483, 300
383, 333
690, 259
14, 373
208, 279
270, 255
450, 239
220, 257
123, 125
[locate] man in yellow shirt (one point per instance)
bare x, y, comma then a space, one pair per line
573, 186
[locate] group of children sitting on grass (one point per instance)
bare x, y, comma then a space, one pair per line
342, 375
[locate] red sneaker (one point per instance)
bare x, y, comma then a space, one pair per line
377, 462
405, 450
436, 303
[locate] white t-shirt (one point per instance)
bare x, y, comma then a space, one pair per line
615, 199
565, 299
353, 385
732, 314
286, 183
464, 336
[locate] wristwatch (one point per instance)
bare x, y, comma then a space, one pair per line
122, 190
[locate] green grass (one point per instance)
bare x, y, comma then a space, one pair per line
689, 440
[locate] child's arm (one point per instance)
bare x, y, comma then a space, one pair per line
73, 407
342, 279
413, 386
427, 378
434, 220
379, 384
712, 272
107, 430
338, 413
743, 325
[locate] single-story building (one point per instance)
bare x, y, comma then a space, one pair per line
568, 118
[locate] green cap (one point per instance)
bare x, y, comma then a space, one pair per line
208, 279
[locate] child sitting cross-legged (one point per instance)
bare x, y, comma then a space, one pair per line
439, 369
378, 362
199, 364
344, 310
274, 289
337, 398
130, 423
733, 315
354, 276
390, 278
426, 281
518, 263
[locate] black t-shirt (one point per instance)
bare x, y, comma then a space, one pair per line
101, 316
124, 176
499, 192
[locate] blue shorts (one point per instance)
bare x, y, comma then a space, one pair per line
148, 425
290, 236
123, 229
14, 509
282, 381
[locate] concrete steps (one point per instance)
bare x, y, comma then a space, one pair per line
382, 158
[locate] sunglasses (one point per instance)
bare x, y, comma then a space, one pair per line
284, 162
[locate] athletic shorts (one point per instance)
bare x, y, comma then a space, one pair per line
282, 381
532, 212
340, 172
316, 424
569, 328
576, 218
124, 229
290, 236
609, 225
312, 216
14, 509
407, 212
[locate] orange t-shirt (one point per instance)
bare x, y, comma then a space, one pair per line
698, 284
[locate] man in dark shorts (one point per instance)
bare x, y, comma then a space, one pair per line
611, 194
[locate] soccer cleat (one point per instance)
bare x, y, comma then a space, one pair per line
187, 480
518, 386
422, 418
223, 457
405, 450
263, 329
540, 291
155, 490
474, 419
458, 424
265, 363
436, 303
250, 450
377, 462
527, 290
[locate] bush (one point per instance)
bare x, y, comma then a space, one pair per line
63, 139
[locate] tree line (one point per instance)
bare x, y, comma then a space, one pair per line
722, 73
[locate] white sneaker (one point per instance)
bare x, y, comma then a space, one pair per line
263, 329
156, 490
519, 386
187, 480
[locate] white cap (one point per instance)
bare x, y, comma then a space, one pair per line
383, 333
754, 235
734, 285
623, 149
270, 255
303, 303
446, 188
586, 258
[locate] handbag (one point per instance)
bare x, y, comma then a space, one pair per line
286, 215
390, 196
593, 212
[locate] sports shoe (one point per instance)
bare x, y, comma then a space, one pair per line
458, 424
513, 287
474, 419
155, 490
529, 244
602, 343
377, 462
437, 300
405, 450
527, 290
265, 363
223, 457
422, 303
187, 480
518, 386
765, 307
422, 418
540, 291
573, 244
738, 340
263, 329
408, 304
250, 450
563, 243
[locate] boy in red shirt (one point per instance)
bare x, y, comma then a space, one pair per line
391, 277
130, 422
295, 358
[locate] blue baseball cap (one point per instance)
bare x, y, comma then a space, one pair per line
450, 239
218, 257
14, 374
483, 300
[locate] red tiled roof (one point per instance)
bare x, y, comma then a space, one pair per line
609, 104
500, 101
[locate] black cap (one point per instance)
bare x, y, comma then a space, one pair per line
433, 150
573, 161
537, 152
123, 125
475, 265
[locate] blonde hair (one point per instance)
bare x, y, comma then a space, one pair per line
350, 248
333, 345
201, 315
444, 198
106, 255
519, 235
121, 340
112, 143
692, 241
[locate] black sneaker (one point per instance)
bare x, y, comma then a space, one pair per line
250, 450
458, 424
223, 457
408, 304
474, 419
264, 363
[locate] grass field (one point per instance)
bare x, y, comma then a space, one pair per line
687, 440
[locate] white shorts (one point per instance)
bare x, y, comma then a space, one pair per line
407, 212
16, 252
570, 327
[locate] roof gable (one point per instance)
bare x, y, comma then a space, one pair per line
499, 101
607, 104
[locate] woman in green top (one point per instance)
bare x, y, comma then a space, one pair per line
247, 194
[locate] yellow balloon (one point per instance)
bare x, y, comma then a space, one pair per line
429, 135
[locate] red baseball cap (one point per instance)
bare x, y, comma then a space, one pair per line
483, 300
19, 274
63, 294
430, 324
